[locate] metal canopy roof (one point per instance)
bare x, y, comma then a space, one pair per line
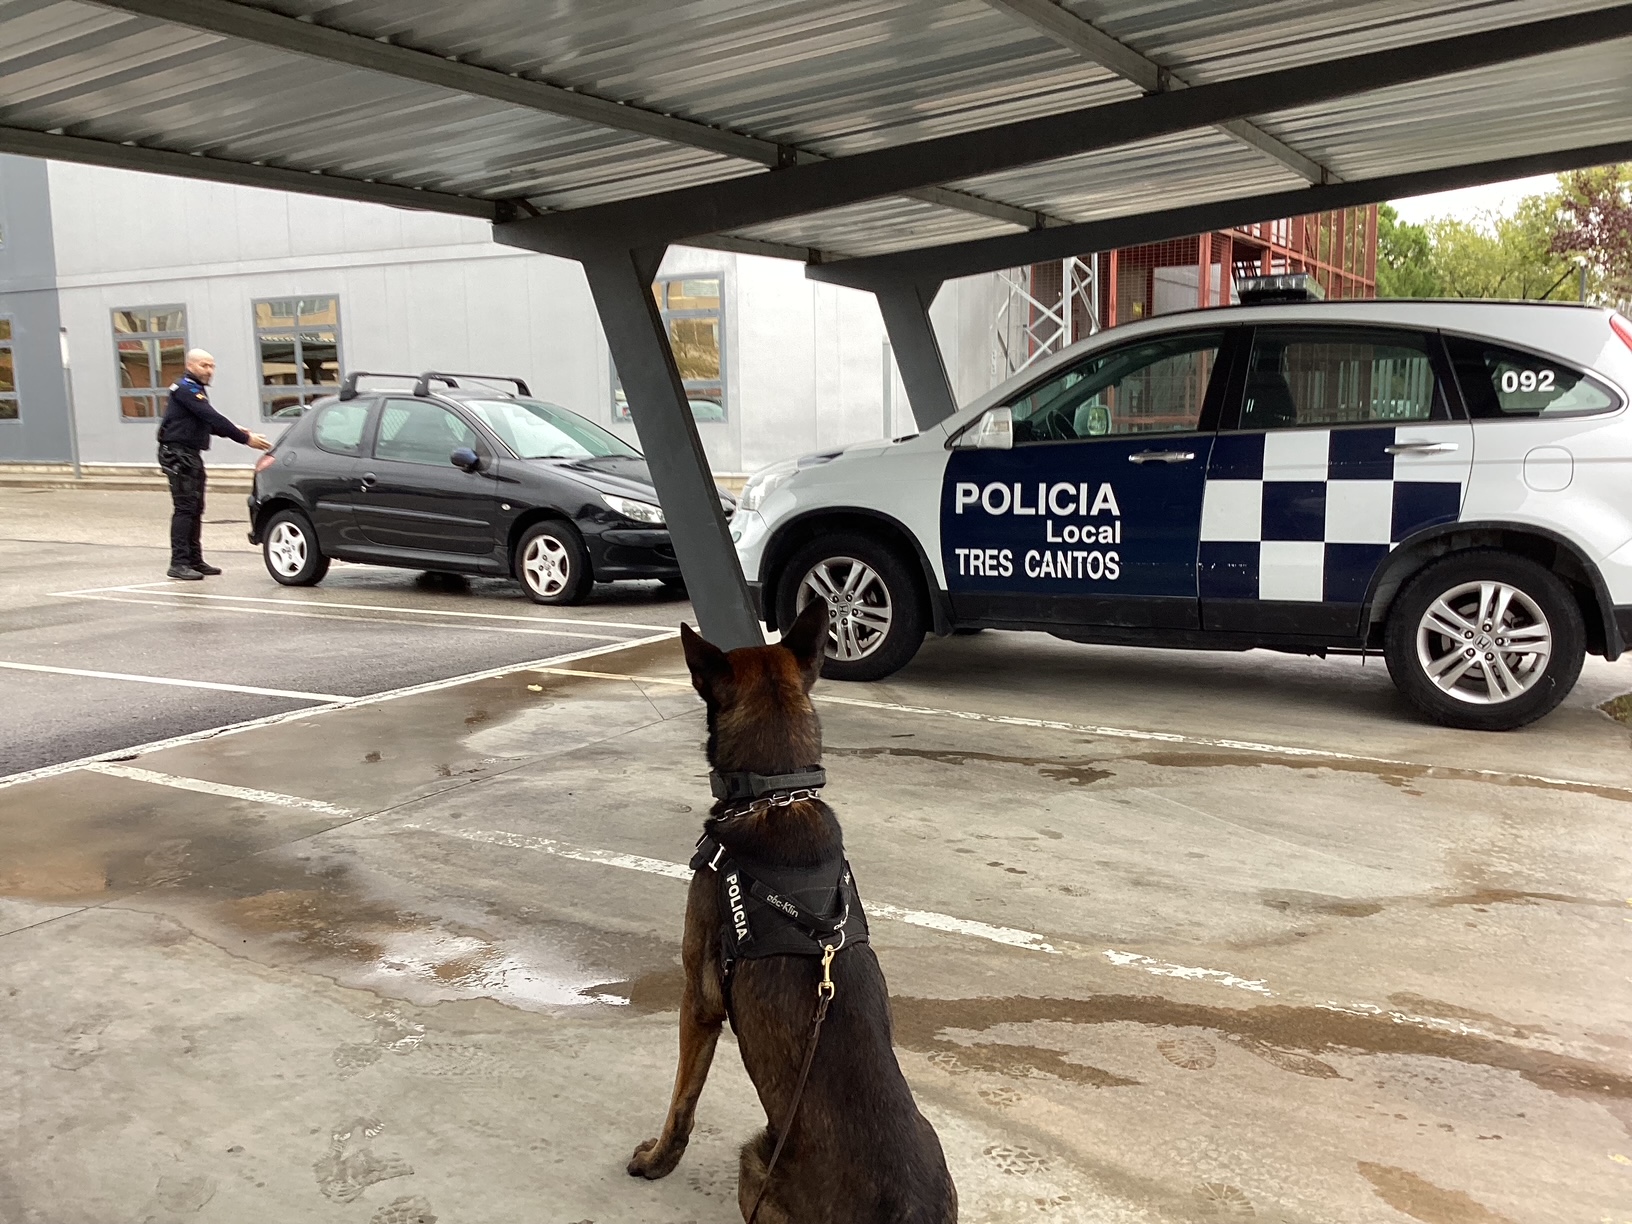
774, 125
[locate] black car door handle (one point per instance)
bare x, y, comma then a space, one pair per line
369, 480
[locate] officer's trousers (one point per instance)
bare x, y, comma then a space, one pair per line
185, 468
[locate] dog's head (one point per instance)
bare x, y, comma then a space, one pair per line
760, 717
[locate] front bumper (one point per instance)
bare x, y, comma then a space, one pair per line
631, 552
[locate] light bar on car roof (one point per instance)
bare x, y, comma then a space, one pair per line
1283, 287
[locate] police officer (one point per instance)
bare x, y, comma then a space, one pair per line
184, 436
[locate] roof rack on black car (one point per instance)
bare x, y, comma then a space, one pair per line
423, 386
348, 388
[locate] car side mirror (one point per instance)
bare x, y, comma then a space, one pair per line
1099, 420
994, 431
466, 459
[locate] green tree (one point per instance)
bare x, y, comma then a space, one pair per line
1593, 223
1404, 258
1502, 255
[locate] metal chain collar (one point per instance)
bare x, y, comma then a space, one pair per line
782, 799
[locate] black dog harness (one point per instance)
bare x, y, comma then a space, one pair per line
774, 910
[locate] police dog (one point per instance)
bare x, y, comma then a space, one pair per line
858, 1151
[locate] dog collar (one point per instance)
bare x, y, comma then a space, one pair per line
738, 785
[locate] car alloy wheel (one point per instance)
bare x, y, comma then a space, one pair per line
859, 607
286, 549
1484, 643
546, 566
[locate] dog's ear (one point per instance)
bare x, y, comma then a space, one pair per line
707, 662
806, 638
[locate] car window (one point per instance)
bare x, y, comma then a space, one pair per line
1317, 377
1498, 382
1154, 386
339, 427
536, 430
414, 431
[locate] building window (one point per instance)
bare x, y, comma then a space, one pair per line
150, 345
694, 318
8, 374
298, 340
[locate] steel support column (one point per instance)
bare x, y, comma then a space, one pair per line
621, 282
917, 351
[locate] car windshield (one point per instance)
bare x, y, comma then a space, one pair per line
536, 430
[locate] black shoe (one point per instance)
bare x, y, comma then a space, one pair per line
209, 571
185, 572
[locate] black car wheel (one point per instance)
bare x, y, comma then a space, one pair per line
553, 563
1485, 640
289, 547
876, 618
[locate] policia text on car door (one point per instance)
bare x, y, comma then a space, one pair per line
1092, 517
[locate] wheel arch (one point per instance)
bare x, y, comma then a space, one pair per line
1547, 548
792, 535
272, 505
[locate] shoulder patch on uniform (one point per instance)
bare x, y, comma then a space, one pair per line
173, 386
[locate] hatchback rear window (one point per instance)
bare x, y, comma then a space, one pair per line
1500, 382
339, 427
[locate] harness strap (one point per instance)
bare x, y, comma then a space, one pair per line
814, 925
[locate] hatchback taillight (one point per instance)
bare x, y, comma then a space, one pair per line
1623, 329
265, 461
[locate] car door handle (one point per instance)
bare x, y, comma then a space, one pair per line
369, 481
1420, 448
1161, 457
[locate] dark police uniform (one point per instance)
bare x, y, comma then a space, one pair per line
184, 436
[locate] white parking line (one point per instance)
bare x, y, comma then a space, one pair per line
177, 683
679, 871
346, 703
1159, 737
168, 589
176, 782
356, 620
1012, 937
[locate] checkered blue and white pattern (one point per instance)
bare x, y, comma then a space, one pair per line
1306, 515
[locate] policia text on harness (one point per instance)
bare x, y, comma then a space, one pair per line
777, 910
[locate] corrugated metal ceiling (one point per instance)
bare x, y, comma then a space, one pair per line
824, 78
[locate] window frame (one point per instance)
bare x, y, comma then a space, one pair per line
157, 395
364, 439
1447, 408
307, 393
372, 431
622, 415
14, 397
1618, 401
1219, 380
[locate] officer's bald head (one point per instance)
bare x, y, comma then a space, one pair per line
200, 365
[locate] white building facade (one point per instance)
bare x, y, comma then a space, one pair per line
125, 271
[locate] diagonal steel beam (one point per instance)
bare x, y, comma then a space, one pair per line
1069, 30
932, 265
265, 28
798, 190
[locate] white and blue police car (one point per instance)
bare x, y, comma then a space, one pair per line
1447, 482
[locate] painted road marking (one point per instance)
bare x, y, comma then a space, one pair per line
173, 681
344, 703
343, 616
1029, 941
175, 782
1160, 737
680, 871
147, 588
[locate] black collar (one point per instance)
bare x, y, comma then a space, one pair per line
739, 785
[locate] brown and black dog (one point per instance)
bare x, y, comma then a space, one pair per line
858, 1152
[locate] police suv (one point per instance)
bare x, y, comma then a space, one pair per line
1447, 482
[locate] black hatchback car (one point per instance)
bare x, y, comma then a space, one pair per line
458, 476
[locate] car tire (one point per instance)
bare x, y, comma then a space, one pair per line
290, 549
882, 639
552, 563
1438, 645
